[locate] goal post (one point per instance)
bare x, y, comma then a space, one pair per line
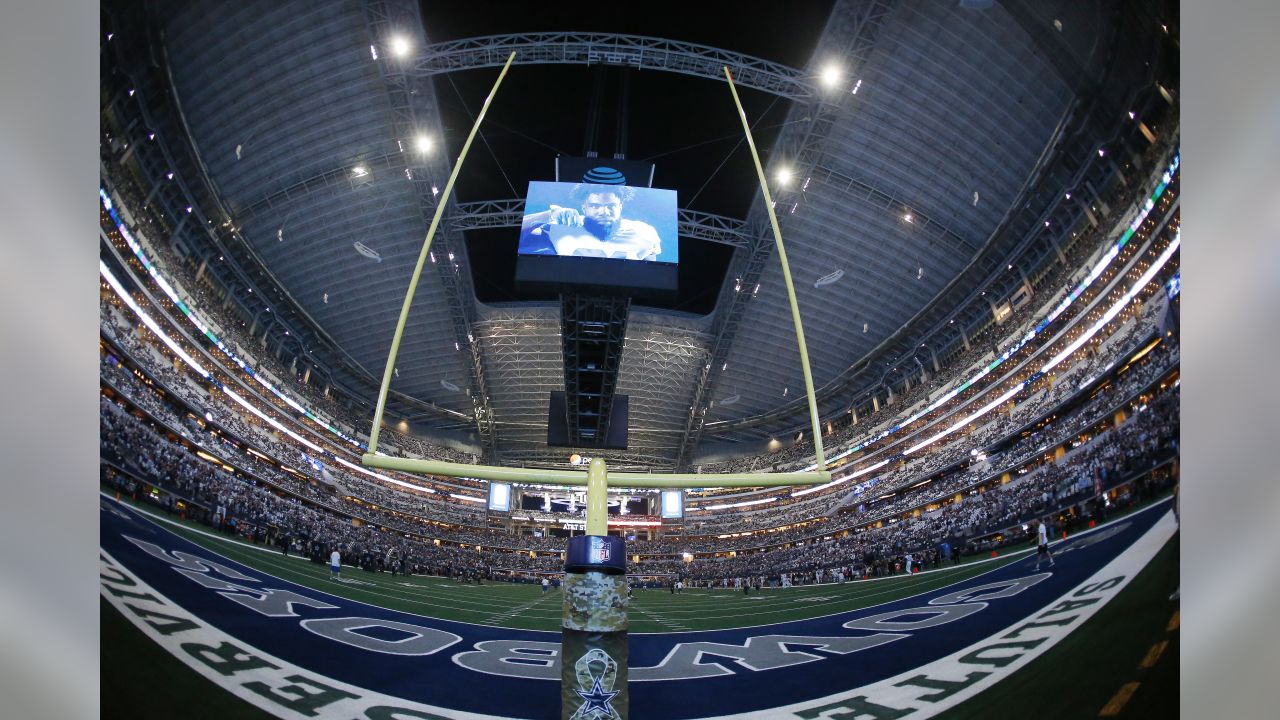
595, 599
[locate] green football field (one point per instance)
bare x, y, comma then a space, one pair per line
1122, 663
526, 607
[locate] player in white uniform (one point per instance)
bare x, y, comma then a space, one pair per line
1042, 544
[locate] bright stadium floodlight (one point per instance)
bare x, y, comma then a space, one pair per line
830, 76
783, 175
423, 143
400, 46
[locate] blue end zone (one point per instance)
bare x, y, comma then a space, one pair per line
841, 652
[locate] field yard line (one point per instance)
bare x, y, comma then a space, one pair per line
655, 617
513, 612
419, 599
789, 607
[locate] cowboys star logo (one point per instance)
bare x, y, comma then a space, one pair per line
596, 700
597, 671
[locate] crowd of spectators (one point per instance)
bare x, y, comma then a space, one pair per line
339, 487
265, 512
381, 527
375, 495
1064, 427
304, 389
137, 341
999, 424
234, 332
984, 347
980, 521
139, 389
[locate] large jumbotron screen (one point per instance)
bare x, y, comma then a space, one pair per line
613, 236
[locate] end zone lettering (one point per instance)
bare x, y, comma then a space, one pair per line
271, 684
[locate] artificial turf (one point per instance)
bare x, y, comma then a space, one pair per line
1080, 677
525, 607
140, 680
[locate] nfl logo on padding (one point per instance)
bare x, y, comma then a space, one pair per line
599, 552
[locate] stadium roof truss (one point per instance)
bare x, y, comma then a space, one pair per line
923, 171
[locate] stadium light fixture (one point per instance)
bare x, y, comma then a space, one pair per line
423, 143
400, 46
783, 175
831, 76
